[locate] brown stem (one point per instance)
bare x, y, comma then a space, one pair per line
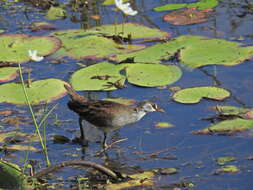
99, 167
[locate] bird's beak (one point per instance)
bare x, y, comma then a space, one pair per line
160, 110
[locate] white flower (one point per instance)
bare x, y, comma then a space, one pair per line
33, 55
125, 7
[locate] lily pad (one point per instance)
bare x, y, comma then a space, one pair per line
193, 52
203, 51
195, 94
227, 169
79, 44
89, 78
8, 73
188, 16
13, 134
12, 176
225, 159
227, 127
55, 13
152, 75
16, 46
230, 110
162, 125
144, 179
136, 31
18, 147
201, 5
42, 91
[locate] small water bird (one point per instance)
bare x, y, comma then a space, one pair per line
106, 115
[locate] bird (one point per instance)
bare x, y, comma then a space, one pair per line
105, 115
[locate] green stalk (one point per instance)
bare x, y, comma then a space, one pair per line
46, 116
44, 148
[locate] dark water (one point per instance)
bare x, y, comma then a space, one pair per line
195, 155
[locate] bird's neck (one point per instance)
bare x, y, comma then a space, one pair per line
139, 114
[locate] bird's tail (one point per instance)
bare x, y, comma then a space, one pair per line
73, 95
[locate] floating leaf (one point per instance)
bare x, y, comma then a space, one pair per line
230, 110
193, 52
206, 51
136, 31
8, 73
188, 16
121, 100
2, 31
162, 125
10, 134
16, 46
4, 136
18, 147
195, 94
79, 44
55, 13
143, 179
151, 75
225, 159
201, 5
227, 127
227, 169
42, 91
88, 78
12, 176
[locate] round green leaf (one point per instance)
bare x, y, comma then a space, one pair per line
230, 110
16, 46
194, 95
101, 76
135, 30
55, 13
151, 75
228, 169
42, 91
162, 125
12, 176
193, 52
8, 73
224, 159
80, 44
201, 51
200, 5
227, 126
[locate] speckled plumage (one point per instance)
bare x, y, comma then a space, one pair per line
107, 115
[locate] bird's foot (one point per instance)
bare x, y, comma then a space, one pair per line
106, 146
79, 140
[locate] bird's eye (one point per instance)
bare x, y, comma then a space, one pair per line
154, 106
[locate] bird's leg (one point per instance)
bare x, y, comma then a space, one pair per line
104, 141
83, 142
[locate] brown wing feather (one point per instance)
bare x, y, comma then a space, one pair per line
99, 113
